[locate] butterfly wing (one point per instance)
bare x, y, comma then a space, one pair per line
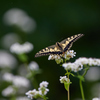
48, 50
67, 43
54, 49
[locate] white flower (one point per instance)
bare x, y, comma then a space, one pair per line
17, 81
43, 91
46, 91
59, 58
19, 18
58, 61
93, 61
78, 64
7, 60
33, 93
8, 77
70, 54
19, 49
96, 99
8, 91
88, 61
72, 66
82, 60
51, 57
97, 62
44, 84
67, 66
64, 79
20, 81
34, 66
76, 67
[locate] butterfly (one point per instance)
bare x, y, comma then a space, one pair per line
60, 47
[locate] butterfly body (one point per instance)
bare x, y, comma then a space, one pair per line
60, 47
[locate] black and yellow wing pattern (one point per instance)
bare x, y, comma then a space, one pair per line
60, 47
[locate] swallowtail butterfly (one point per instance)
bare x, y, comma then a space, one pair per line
60, 47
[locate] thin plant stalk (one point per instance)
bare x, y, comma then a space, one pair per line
68, 90
80, 82
82, 92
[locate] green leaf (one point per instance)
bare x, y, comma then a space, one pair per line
66, 85
72, 74
29, 75
81, 78
67, 73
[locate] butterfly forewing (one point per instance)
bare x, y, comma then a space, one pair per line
67, 43
72, 38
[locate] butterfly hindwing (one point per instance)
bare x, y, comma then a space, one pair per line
48, 50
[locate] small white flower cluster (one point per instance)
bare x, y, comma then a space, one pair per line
69, 54
19, 18
33, 66
8, 91
72, 66
17, 81
42, 90
19, 84
78, 64
88, 61
59, 58
64, 79
20, 81
7, 60
96, 99
20, 49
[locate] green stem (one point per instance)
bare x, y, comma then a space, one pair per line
80, 82
86, 69
68, 90
68, 94
82, 92
44, 97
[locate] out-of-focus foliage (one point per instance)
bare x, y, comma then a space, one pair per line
42, 23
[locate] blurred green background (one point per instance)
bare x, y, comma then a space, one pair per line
52, 21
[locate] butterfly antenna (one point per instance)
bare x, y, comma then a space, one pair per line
60, 39
52, 41
57, 41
